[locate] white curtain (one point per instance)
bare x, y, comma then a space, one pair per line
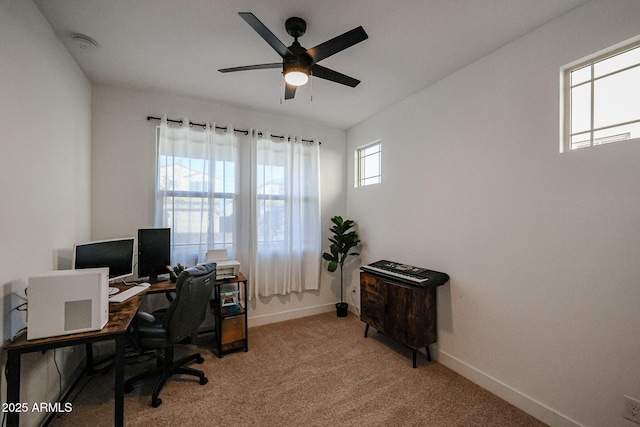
286, 247
258, 197
197, 190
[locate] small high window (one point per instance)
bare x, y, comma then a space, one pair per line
368, 164
601, 102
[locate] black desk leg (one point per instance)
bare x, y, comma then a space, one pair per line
119, 382
13, 386
366, 330
89, 356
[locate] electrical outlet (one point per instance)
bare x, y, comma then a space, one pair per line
632, 409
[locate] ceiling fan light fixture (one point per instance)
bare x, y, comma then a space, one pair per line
296, 78
298, 63
296, 73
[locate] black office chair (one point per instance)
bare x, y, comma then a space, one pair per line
183, 317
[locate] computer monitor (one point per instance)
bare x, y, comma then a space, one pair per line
115, 254
154, 252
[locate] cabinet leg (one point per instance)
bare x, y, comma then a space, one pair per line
428, 354
415, 358
366, 330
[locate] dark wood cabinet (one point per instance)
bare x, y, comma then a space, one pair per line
401, 311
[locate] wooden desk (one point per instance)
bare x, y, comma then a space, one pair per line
159, 287
167, 286
120, 316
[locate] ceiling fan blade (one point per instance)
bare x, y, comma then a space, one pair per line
334, 76
337, 44
289, 91
266, 34
252, 67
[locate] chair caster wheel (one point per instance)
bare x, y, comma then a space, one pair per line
156, 402
200, 360
204, 380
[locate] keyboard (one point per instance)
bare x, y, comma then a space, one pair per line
407, 273
125, 295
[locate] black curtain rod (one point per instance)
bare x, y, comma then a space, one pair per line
224, 128
192, 124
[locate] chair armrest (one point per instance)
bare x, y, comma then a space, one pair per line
146, 317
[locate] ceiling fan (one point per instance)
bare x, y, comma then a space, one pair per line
299, 63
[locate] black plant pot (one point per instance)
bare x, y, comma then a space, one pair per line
342, 309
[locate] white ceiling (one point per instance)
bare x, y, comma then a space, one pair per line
178, 46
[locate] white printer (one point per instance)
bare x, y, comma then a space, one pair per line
225, 268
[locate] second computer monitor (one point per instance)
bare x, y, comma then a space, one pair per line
115, 254
154, 252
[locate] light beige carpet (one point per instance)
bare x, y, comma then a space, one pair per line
314, 371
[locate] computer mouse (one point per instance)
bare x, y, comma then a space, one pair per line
144, 284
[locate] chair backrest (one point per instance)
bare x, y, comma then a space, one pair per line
189, 307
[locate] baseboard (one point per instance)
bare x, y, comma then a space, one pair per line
520, 400
266, 319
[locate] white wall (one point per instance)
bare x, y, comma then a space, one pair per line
123, 154
45, 129
542, 248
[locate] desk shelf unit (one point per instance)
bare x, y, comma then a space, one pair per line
230, 313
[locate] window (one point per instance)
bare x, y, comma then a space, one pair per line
601, 102
271, 202
368, 164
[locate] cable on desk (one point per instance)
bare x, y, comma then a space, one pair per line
20, 307
17, 334
59, 376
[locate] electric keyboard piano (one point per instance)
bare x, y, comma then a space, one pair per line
407, 273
